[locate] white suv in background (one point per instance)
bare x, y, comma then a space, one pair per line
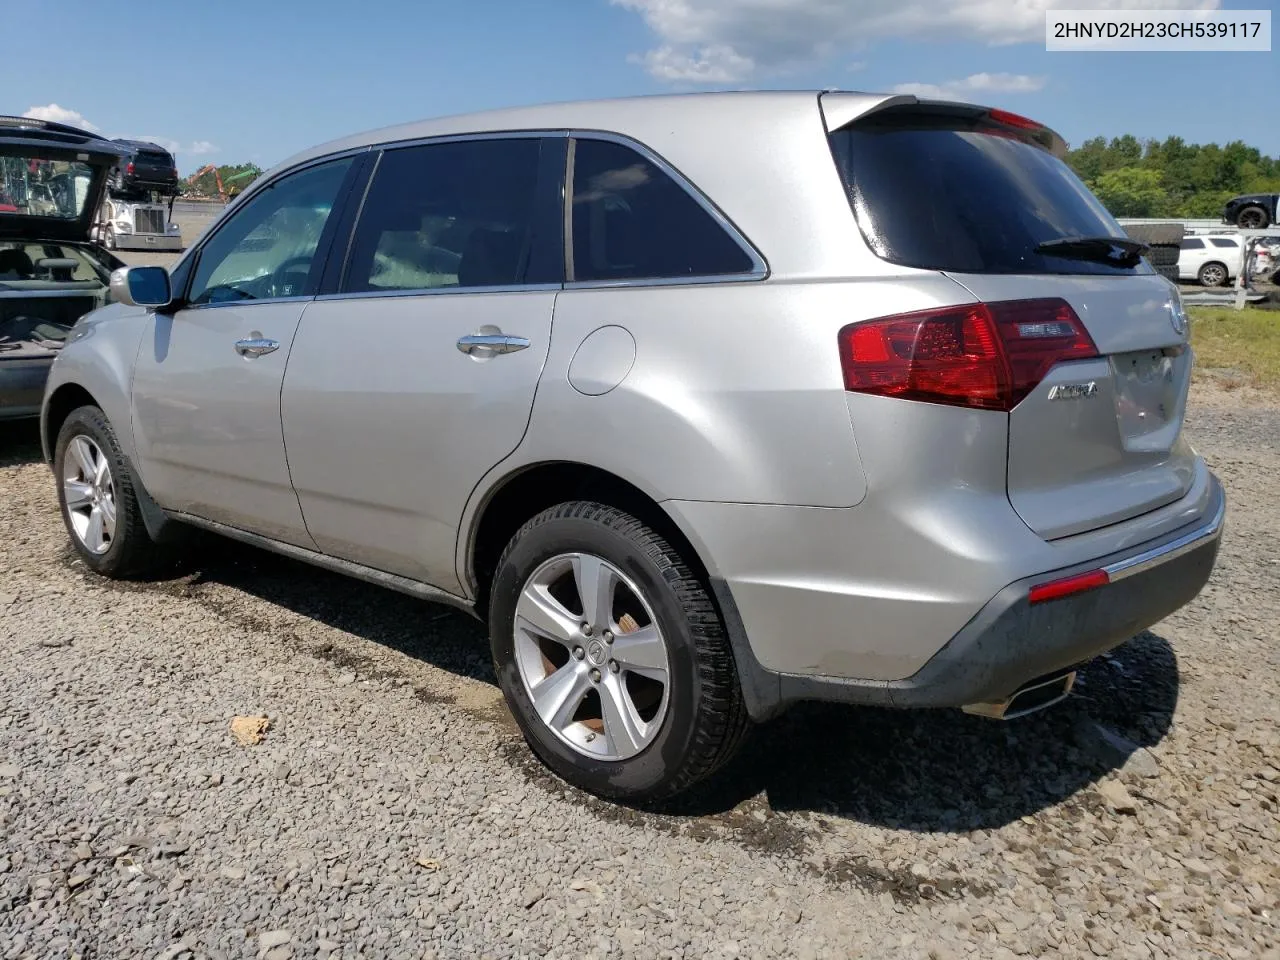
1211, 261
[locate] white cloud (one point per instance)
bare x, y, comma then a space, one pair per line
197, 148
56, 114
715, 64
724, 41
973, 85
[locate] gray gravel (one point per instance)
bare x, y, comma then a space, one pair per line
392, 811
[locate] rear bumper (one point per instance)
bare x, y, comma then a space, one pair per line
1010, 641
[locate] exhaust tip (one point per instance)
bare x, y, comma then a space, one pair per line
1035, 696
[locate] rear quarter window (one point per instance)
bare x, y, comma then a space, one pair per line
946, 193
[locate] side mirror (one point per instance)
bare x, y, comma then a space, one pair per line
141, 286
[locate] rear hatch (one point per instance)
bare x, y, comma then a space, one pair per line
1090, 342
52, 179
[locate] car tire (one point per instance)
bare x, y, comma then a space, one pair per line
1252, 218
1212, 274
97, 497
607, 728
109, 239
1168, 272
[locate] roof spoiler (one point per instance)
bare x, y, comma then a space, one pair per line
840, 109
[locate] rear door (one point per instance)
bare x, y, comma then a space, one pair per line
418, 375
977, 196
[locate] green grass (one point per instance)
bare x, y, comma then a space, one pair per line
1245, 341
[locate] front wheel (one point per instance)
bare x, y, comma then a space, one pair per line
612, 655
96, 493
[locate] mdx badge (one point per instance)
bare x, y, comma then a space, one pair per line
1073, 391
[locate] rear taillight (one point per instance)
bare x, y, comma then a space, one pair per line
129, 168
985, 355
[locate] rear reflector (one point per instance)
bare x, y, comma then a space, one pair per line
984, 355
1067, 586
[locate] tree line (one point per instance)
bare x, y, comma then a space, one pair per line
1171, 178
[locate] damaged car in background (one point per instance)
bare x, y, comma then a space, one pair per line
52, 181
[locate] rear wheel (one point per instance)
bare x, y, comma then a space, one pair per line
1212, 274
96, 494
612, 655
1252, 218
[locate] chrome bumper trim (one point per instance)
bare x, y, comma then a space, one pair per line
1171, 550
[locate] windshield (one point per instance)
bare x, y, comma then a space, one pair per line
951, 194
36, 187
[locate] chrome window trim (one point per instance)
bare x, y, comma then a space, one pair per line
759, 266
439, 291
665, 281
527, 134
255, 302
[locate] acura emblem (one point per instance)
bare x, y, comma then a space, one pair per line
1073, 391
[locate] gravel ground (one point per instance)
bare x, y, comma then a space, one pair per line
391, 809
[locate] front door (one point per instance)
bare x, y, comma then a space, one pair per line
414, 380
206, 388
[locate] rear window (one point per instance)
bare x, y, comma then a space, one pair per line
153, 158
1222, 242
946, 193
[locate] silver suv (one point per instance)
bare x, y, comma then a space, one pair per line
705, 404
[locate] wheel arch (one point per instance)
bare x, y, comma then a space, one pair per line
64, 399
527, 491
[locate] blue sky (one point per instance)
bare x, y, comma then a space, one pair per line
235, 81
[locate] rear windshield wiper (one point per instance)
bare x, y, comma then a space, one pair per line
1117, 251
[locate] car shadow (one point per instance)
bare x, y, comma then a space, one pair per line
20, 442
920, 770
946, 771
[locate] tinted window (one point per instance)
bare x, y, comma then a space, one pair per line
1192, 243
632, 221
1222, 242
267, 249
945, 193
447, 215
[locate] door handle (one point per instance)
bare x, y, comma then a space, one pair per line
256, 346
491, 344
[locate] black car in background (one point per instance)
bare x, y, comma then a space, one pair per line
146, 167
1252, 211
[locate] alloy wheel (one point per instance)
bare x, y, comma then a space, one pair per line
592, 656
90, 494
